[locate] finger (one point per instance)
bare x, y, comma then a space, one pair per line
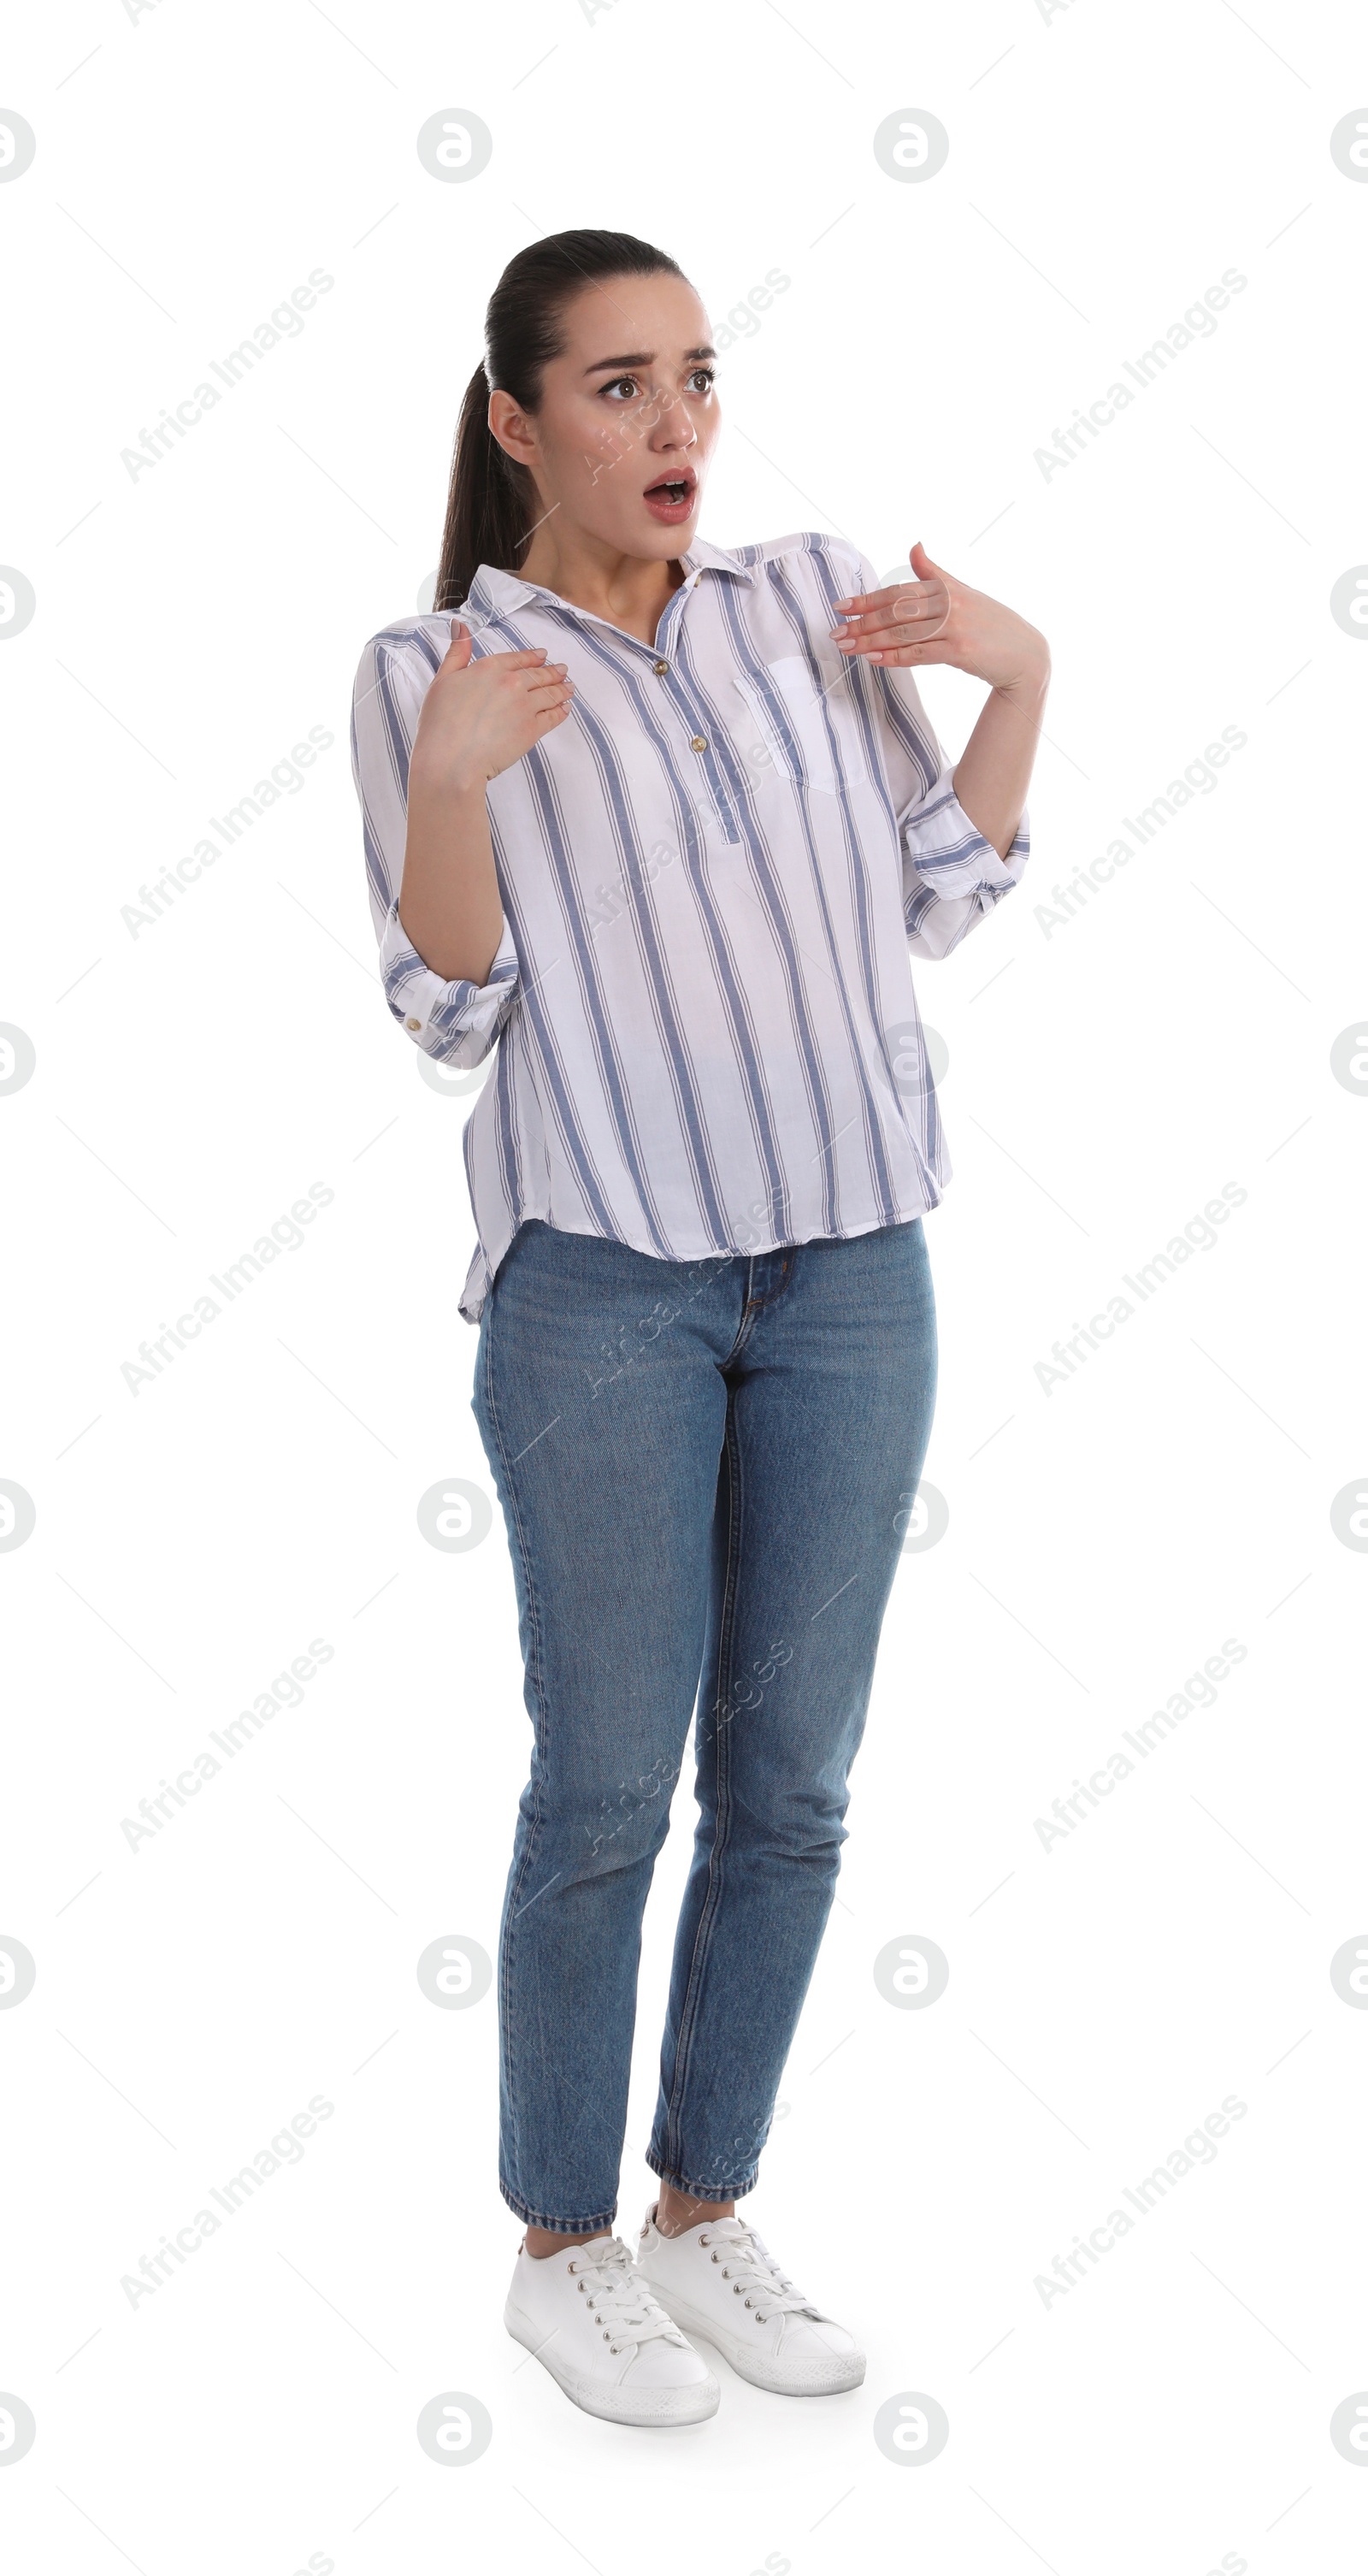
859, 600
871, 642
914, 619
548, 672
903, 656
897, 608
461, 646
519, 661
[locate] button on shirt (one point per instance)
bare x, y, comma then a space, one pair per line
712, 872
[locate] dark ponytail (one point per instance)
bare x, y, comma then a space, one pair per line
492, 503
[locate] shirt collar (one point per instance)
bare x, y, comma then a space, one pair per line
495, 590
702, 557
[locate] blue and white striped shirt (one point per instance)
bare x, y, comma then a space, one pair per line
712, 873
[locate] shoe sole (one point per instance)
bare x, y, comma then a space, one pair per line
654, 2408
794, 2379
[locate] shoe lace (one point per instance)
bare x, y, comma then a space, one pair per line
622, 2302
747, 2262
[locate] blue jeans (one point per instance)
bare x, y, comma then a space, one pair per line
706, 1470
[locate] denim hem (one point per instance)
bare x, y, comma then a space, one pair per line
555, 2226
700, 2190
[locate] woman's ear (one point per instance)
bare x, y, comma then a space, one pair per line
511, 428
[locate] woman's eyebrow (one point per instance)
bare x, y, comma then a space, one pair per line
646, 358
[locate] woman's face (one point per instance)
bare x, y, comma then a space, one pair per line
627, 409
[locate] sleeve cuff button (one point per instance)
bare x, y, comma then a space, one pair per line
413, 1024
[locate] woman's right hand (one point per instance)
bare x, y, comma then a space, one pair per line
480, 716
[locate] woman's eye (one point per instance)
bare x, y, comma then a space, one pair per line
628, 388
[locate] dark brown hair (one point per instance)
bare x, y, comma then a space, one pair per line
492, 503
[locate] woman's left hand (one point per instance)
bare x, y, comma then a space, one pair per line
934, 618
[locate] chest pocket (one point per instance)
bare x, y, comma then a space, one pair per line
783, 728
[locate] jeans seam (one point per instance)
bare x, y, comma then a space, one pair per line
534, 1632
712, 1899
747, 1315
753, 1305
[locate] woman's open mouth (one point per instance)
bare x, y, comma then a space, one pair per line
672, 496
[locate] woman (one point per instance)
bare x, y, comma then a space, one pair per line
664, 820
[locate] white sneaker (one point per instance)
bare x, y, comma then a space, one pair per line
720, 2280
589, 2317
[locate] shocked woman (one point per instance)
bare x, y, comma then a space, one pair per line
663, 821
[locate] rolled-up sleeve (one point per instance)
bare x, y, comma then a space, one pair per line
952, 876
455, 1021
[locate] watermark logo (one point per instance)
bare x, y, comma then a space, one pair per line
1198, 2148
17, 2428
912, 144
1198, 1691
456, 1081
911, 2428
18, 1968
18, 600
1198, 323
911, 1972
1198, 779
923, 1518
1198, 1235
743, 320
646, 866
1349, 1514
1349, 1972
286, 2148
18, 143
1348, 2428
455, 1515
1348, 1057
1349, 144
285, 322
454, 1972
286, 1235
1349, 602
919, 1057
286, 779
455, 2428
18, 1057
455, 144
286, 1692
17, 1514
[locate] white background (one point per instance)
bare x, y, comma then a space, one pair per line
258, 2410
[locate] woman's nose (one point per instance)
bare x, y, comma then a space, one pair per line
673, 426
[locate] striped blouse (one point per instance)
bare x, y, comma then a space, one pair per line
712, 873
